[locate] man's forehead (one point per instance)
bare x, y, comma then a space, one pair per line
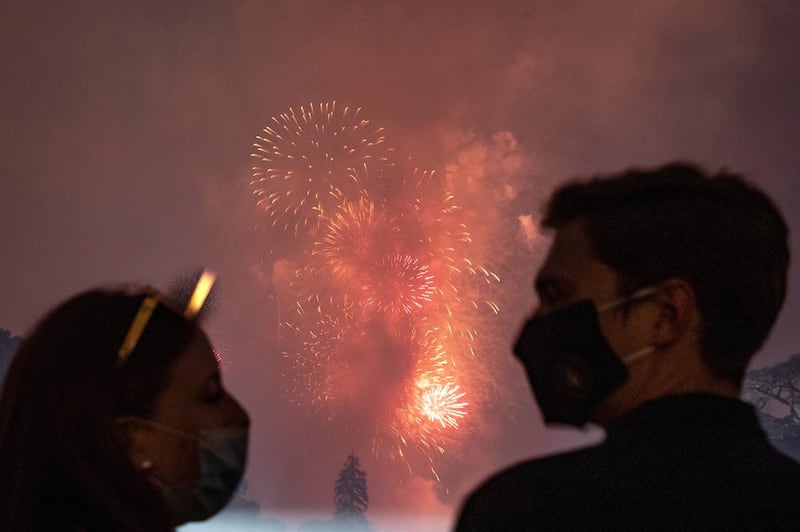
571, 262
570, 250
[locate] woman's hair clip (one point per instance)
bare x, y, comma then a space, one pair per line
148, 306
201, 291
137, 327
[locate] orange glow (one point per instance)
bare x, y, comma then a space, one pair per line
389, 298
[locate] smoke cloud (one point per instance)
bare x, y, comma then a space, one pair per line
127, 128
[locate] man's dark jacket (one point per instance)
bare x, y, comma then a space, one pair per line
684, 462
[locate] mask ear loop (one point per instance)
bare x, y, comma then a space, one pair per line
639, 294
153, 425
643, 352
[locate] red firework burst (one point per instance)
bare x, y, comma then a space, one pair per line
398, 283
354, 239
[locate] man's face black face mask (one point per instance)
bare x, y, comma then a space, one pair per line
570, 365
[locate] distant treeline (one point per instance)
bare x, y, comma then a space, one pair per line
775, 392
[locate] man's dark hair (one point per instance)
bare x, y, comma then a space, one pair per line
719, 233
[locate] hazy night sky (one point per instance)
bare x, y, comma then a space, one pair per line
126, 131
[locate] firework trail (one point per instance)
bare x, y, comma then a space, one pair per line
389, 303
305, 163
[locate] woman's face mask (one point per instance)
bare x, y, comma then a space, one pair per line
222, 453
570, 365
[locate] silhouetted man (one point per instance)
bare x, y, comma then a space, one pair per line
658, 289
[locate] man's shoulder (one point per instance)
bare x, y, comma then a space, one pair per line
540, 482
602, 488
562, 468
538, 490
718, 472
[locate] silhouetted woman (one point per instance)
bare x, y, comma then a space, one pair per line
113, 417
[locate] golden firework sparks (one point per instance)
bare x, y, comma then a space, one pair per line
443, 404
305, 163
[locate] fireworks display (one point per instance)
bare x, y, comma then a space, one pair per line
306, 161
388, 298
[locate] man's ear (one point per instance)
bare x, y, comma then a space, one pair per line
138, 441
678, 313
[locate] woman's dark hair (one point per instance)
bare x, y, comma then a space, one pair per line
63, 460
722, 235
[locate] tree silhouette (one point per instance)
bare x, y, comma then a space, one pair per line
775, 392
350, 495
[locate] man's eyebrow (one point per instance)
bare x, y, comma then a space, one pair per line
553, 282
546, 281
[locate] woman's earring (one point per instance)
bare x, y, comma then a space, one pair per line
146, 465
